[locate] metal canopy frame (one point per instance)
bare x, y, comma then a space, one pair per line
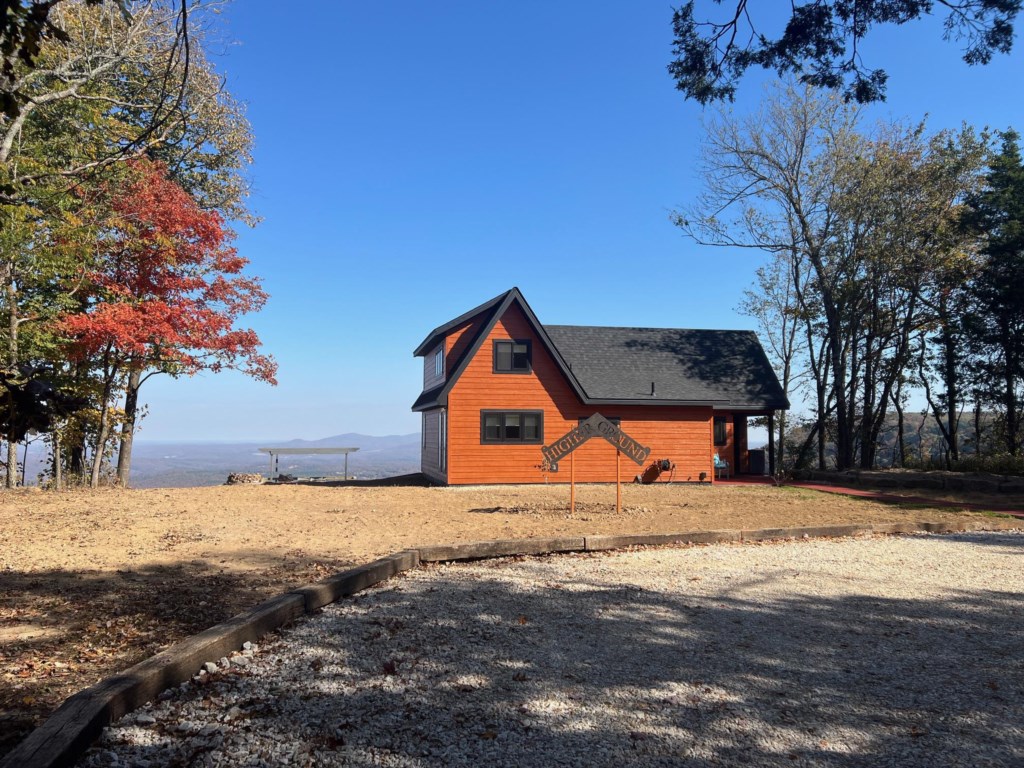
276, 452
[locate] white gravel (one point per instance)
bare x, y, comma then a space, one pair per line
888, 651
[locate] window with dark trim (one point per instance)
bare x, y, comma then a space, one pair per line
721, 433
511, 427
513, 356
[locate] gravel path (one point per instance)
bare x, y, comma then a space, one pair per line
889, 651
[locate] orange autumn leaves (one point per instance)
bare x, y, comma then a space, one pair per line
166, 287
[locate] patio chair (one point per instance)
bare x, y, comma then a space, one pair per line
721, 468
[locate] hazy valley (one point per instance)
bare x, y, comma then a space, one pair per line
181, 465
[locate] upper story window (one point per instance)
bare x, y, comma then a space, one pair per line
439, 363
721, 433
512, 357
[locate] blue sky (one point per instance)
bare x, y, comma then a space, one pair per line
415, 159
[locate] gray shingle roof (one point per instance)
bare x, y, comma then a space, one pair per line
721, 367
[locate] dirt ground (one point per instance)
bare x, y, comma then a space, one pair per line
94, 581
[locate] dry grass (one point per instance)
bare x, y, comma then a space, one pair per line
91, 582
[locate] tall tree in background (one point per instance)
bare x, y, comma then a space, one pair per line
38, 253
901, 196
997, 324
942, 346
25, 25
164, 297
774, 302
111, 76
860, 218
821, 42
771, 185
100, 84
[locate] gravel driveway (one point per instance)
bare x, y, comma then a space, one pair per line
889, 651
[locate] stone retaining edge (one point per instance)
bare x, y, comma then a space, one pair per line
72, 728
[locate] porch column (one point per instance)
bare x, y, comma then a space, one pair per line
771, 443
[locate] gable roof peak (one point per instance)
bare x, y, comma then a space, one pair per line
443, 330
490, 313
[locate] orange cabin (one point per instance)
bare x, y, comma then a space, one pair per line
498, 387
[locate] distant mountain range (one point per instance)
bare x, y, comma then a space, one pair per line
180, 465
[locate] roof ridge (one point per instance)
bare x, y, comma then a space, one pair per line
650, 328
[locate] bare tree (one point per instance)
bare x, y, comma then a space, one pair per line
865, 223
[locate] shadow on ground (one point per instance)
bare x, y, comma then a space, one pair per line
572, 672
414, 480
61, 631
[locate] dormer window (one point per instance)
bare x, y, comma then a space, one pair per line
512, 357
439, 363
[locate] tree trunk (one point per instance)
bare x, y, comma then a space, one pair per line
844, 432
11, 289
801, 455
101, 441
104, 426
1010, 392
76, 462
902, 440
12, 464
977, 425
780, 449
933, 406
58, 469
131, 406
949, 370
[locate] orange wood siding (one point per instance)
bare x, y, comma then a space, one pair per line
682, 435
455, 343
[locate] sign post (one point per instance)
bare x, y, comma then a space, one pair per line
572, 484
618, 482
596, 426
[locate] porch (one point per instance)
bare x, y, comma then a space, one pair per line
730, 439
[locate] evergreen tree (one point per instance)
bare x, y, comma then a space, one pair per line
996, 325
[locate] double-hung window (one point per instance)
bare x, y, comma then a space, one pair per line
512, 427
512, 357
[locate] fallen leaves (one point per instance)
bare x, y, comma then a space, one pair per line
111, 620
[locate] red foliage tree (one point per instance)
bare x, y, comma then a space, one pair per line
164, 296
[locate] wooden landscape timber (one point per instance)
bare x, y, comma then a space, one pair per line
69, 732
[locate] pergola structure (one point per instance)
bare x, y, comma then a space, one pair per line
276, 452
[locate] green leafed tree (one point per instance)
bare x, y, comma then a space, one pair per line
820, 43
996, 326
101, 85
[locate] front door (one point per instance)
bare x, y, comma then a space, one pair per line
739, 443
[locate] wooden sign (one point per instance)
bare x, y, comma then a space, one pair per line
596, 426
